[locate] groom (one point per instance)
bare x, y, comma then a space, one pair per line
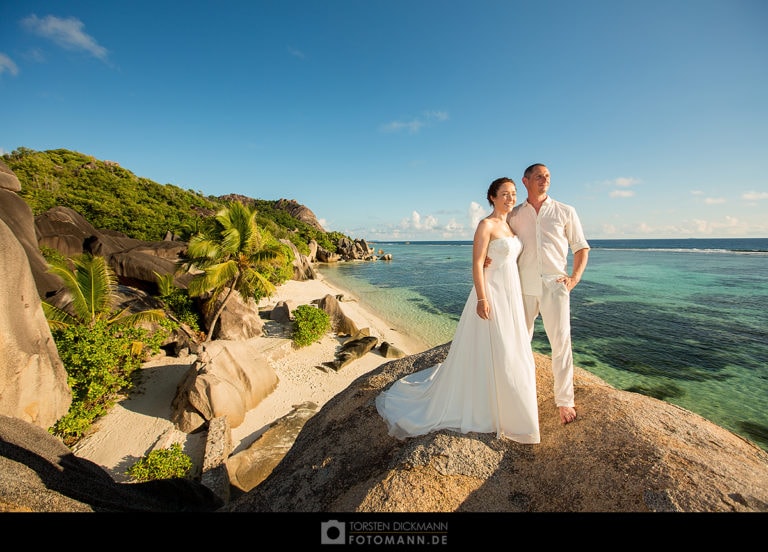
547, 228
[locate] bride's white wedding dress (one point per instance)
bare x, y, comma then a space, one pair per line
487, 382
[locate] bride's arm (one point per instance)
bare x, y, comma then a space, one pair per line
479, 251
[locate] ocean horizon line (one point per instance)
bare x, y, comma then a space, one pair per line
757, 246
756, 238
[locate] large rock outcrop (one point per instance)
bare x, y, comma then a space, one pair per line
299, 211
229, 379
135, 262
33, 381
626, 452
17, 215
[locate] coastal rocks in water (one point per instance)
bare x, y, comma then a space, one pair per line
229, 379
625, 452
325, 256
354, 250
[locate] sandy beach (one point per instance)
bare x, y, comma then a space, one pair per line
140, 422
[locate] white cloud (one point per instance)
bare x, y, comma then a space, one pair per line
7, 65
437, 115
415, 125
645, 229
626, 182
697, 192
621, 193
396, 126
453, 227
754, 196
729, 225
296, 53
714, 200
476, 213
416, 222
66, 32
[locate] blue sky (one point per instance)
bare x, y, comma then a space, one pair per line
389, 119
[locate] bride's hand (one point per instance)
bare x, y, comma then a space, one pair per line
483, 309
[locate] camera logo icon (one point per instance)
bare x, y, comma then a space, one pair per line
332, 532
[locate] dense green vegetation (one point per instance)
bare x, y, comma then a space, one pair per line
100, 348
309, 325
113, 198
165, 463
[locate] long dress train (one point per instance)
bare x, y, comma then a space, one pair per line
487, 382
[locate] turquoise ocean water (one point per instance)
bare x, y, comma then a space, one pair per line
685, 321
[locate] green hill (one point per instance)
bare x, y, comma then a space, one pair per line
113, 198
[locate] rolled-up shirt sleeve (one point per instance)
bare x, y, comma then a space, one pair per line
546, 238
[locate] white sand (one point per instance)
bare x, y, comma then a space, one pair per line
140, 423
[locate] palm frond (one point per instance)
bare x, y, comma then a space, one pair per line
97, 281
57, 319
124, 319
91, 283
165, 285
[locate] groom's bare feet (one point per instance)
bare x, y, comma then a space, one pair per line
567, 414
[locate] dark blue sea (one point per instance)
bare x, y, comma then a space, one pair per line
683, 320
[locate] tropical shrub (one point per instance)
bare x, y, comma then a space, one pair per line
166, 463
309, 324
100, 361
99, 347
178, 301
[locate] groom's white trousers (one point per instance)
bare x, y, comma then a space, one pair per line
554, 305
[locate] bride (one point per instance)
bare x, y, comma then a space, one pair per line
487, 382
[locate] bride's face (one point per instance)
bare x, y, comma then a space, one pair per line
505, 198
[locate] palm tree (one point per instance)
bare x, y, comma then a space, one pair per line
91, 284
229, 252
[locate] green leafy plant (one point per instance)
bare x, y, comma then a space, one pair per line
309, 324
91, 283
178, 301
100, 361
99, 347
166, 463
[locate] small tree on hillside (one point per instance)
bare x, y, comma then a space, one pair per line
229, 251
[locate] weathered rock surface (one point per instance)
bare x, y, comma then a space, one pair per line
626, 452
341, 324
33, 381
15, 212
302, 264
239, 321
230, 379
250, 467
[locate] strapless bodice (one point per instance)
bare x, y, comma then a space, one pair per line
501, 248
